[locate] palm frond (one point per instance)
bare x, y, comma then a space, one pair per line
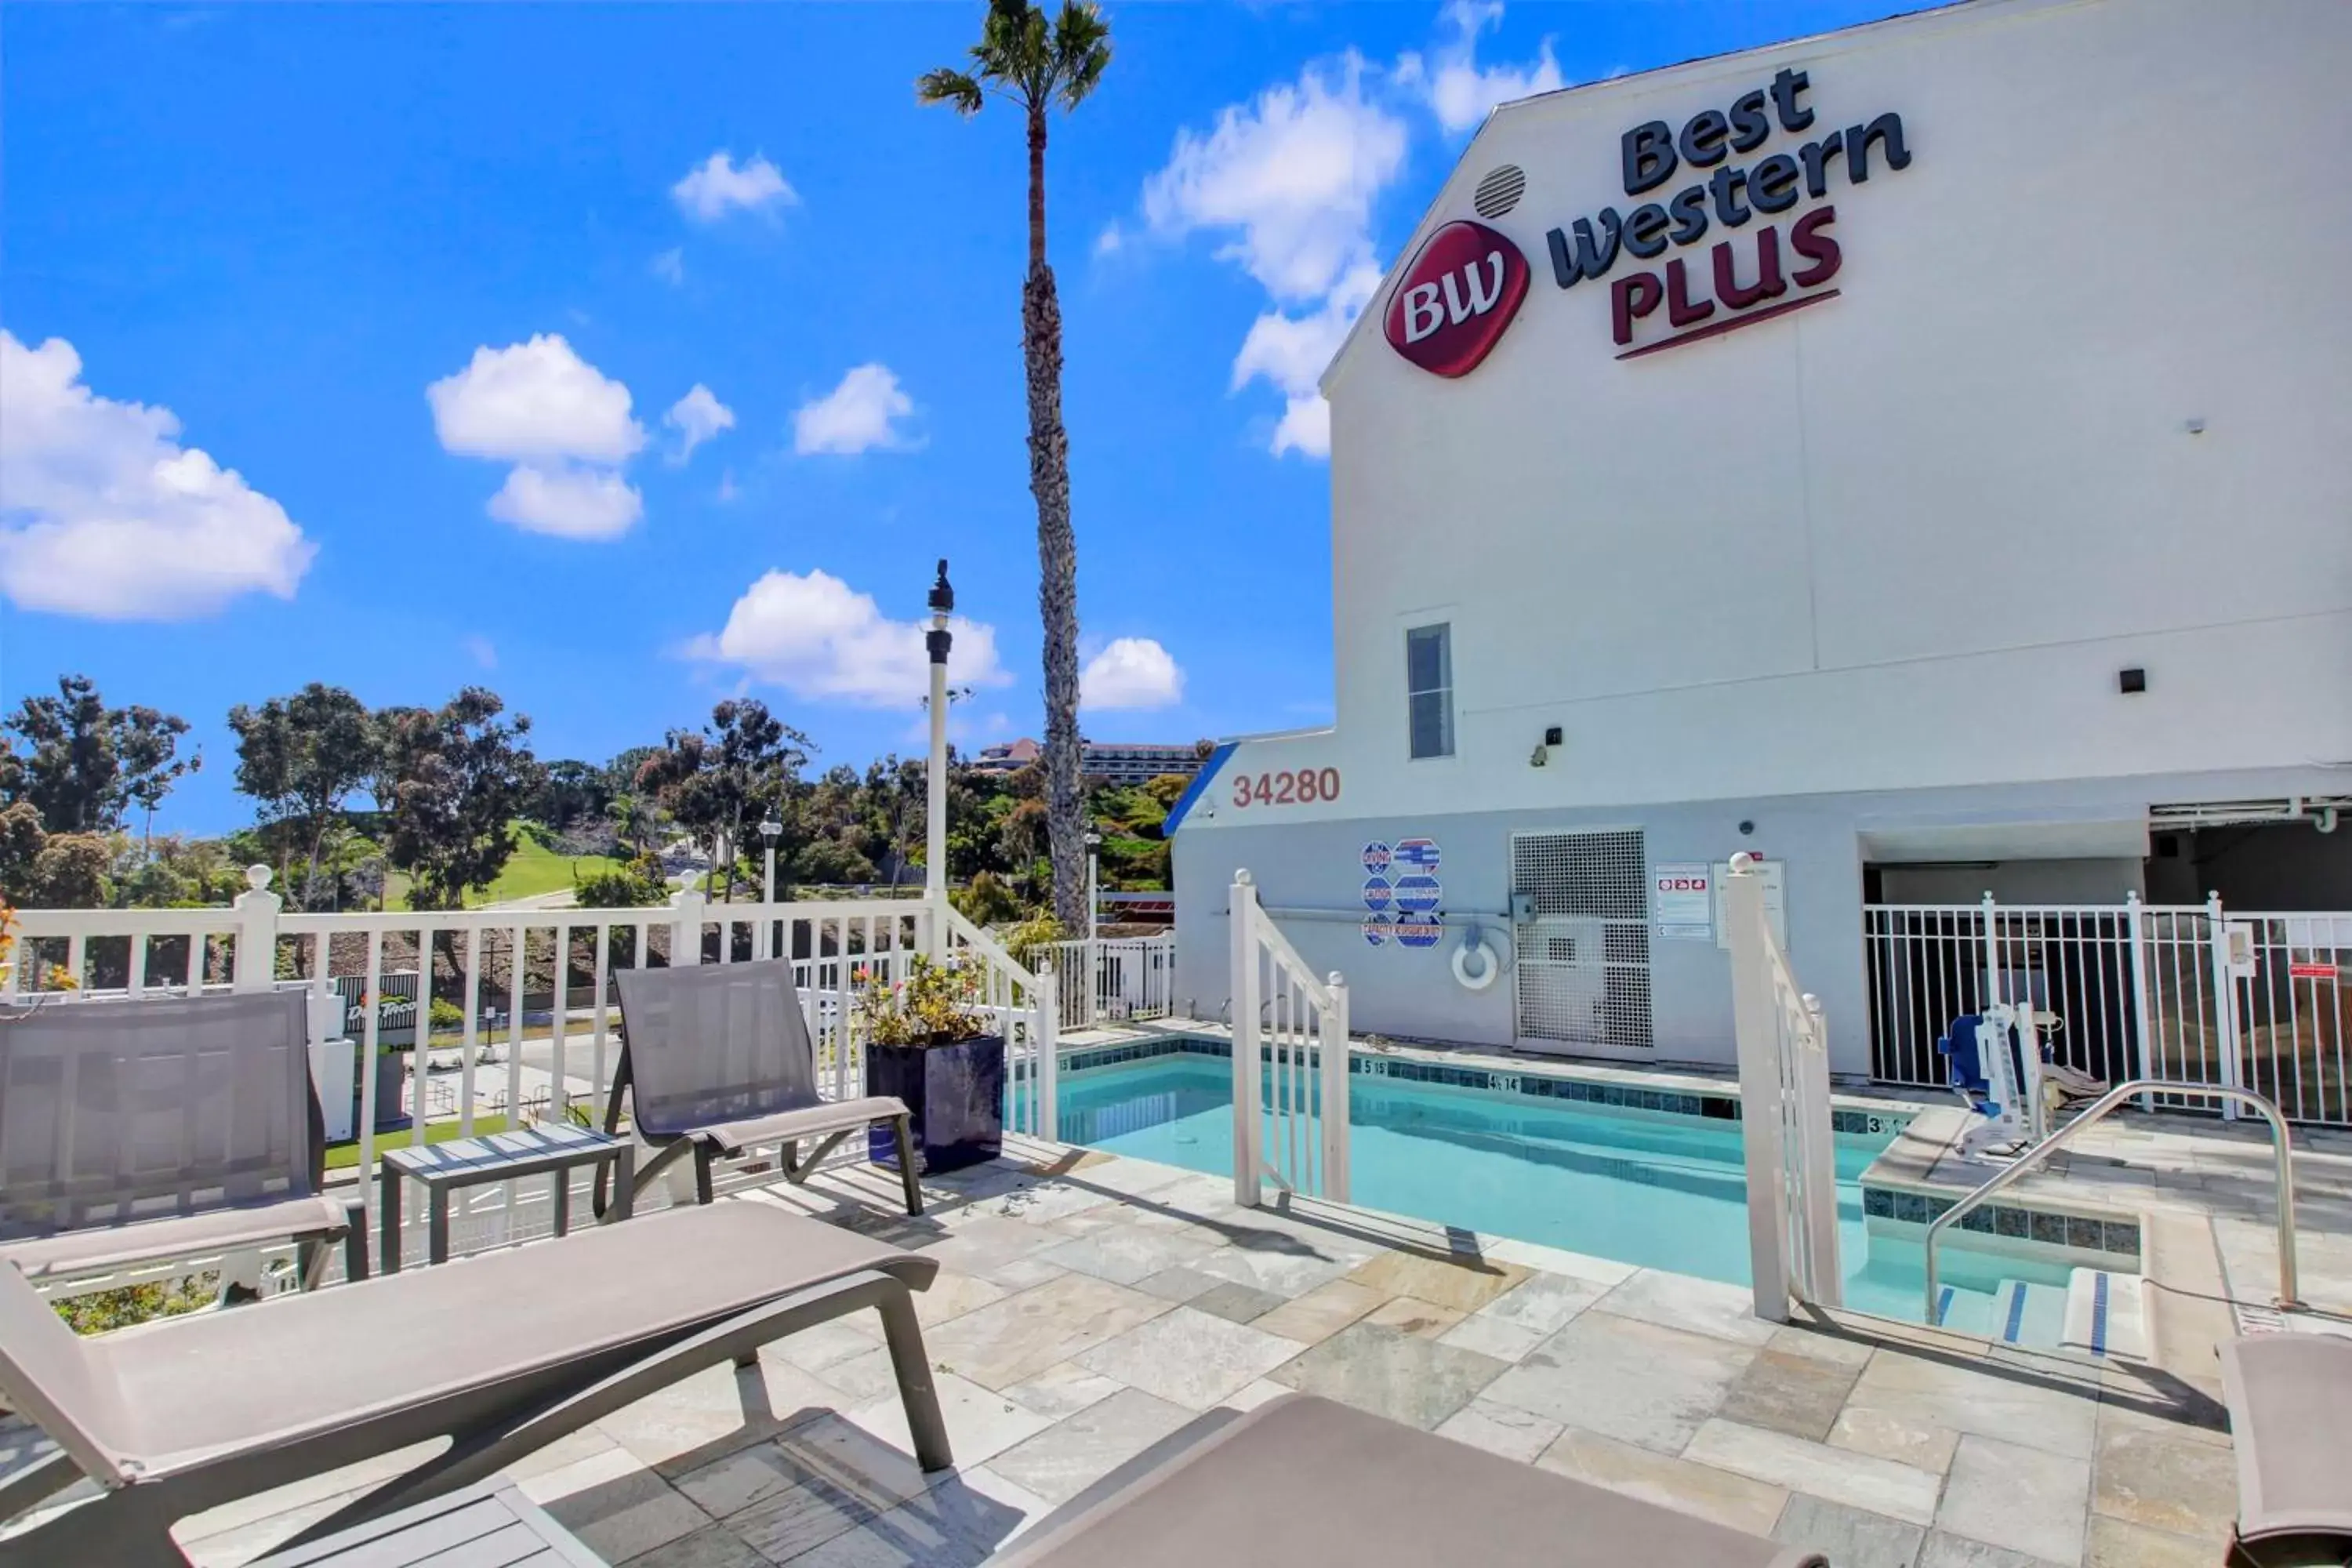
1081, 50
950, 86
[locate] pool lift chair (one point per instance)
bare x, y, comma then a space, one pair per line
2001, 1071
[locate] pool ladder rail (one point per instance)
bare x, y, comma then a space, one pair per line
2283, 1148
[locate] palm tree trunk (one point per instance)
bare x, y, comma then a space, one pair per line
1058, 551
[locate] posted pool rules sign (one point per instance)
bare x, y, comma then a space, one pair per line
1683, 901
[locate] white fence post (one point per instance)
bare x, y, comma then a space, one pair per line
2135, 934
1817, 1142
1334, 1063
1762, 1124
1242, 925
1992, 969
2225, 1002
255, 965
1047, 1039
686, 926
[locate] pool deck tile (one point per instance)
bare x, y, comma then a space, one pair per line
1624, 1378
1849, 1537
1738, 1501
1188, 1357
1401, 1377
1790, 1393
2026, 1499
1656, 1385
1858, 1480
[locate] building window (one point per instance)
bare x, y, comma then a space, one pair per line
1429, 689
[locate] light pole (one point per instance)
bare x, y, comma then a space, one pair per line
769, 828
1094, 882
937, 641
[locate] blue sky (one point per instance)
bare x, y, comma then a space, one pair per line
362, 344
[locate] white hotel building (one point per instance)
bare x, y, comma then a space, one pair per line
1928, 467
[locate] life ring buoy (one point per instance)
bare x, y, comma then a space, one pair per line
1489, 966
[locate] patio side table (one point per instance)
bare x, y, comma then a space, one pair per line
490, 1525
544, 1148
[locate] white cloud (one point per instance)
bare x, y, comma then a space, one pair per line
716, 185
670, 266
818, 637
1289, 352
1289, 178
858, 416
568, 501
1459, 91
534, 400
728, 489
1131, 672
697, 417
1111, 240
104, 513
564, 425
482, 651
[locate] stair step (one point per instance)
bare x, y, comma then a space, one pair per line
2106, 1313
2025, 1313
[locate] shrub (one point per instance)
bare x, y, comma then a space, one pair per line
1026, 941
627, 888
102, 1309
446, 1015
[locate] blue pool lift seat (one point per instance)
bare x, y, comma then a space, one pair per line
1965, 1074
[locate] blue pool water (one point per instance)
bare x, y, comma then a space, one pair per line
1662, 1191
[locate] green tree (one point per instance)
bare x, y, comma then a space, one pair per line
301, 757
86, 764
1037, 66
460, 776
713, 782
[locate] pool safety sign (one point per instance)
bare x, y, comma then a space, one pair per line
1402, 894
1682, 899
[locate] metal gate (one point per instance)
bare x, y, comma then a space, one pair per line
1583, 972
2198, 993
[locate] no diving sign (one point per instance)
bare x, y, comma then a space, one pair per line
1683, 901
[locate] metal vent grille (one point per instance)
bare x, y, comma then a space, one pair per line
1583, 971
1500, 191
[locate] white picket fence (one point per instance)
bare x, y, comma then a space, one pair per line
1113, 980
1786, 1131
1290, 1063
555, 1049
2195, 993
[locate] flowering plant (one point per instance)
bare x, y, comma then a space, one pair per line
935, 1005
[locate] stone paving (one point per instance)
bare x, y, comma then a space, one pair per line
1087, 1307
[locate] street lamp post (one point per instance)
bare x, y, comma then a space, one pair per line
935, 828
769, 829
1094, 883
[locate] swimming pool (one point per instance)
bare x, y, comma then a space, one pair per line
1665, 1191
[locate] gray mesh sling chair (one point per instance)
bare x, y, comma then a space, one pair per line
502, 1353
163, 1128
1302, 1479
2290, 1401
717, 1059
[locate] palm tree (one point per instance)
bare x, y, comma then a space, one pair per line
1020, 57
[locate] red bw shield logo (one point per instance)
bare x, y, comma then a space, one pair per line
1449, 309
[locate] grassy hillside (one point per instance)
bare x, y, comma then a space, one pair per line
533, 869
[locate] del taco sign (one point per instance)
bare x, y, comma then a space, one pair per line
1688, 261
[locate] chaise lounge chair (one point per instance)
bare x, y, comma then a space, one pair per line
717, 1060
1301, 1480
2290, 1399
502, 1353
163, 1128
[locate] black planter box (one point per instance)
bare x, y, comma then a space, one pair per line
957, 1095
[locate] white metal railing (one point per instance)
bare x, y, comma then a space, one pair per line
2183, 992
1028, 1017
1113, 980
535, 1025
1786, 1129
1291, 1062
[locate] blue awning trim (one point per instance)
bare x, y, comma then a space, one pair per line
1196, 789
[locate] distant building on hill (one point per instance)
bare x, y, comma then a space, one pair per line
1109, 763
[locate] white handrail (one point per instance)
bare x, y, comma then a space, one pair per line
1028, 1015
1787, 1133
1291, 1062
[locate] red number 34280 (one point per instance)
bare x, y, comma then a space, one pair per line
1299, 786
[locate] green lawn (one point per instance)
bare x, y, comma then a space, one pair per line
533, 869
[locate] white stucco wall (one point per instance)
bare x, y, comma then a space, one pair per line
1904, 538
